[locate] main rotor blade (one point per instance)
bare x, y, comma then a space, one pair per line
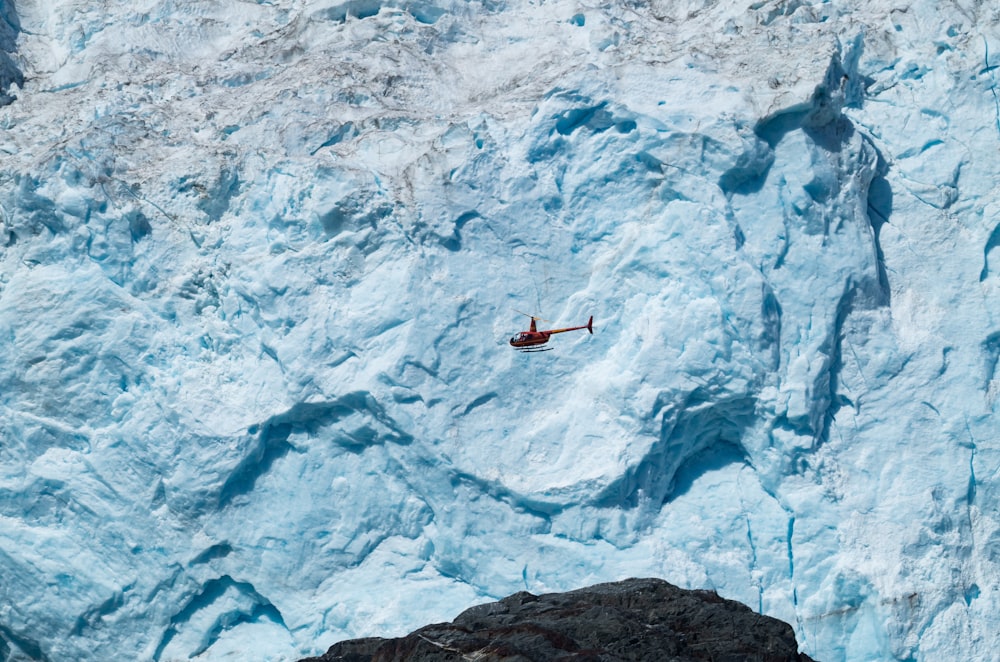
534, 317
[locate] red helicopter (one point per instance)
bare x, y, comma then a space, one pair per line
532, 339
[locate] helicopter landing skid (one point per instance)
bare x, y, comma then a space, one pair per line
538, 349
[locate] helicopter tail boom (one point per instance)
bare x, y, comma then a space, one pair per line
589, 326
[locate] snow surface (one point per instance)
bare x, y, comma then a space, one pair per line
260, 261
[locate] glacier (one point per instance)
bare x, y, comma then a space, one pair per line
260, 261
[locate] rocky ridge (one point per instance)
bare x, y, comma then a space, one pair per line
634, 619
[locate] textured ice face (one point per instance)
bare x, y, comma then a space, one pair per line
261, 263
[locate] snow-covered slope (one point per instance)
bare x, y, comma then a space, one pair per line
260, 262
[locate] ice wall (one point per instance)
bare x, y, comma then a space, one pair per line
260, 262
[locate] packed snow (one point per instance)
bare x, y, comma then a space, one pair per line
260, 261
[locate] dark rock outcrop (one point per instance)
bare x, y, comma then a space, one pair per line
10, 27
635, 619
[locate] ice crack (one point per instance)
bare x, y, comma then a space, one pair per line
753, 565
993, 87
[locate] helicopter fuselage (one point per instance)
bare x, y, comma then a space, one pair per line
530, 339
